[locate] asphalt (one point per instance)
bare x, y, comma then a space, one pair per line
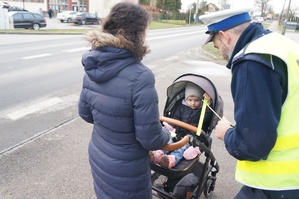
55, 164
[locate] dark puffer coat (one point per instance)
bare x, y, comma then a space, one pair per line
191, 116
120, 100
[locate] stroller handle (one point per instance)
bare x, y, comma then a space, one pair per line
179, 123
184, 140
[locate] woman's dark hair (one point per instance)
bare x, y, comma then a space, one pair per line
129, 21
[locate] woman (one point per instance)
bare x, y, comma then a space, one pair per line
120, 100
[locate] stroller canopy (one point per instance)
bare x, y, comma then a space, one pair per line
176, 91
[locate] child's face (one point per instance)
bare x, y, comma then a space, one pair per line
193, 102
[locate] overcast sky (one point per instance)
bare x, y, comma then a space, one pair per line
277, 4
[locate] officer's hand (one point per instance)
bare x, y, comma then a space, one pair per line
221, 128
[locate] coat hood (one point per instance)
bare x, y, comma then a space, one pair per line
108, 56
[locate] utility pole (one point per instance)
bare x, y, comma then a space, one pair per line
190, 8
196, 11
285, 21
279, 19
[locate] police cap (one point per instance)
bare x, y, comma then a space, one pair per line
224, 20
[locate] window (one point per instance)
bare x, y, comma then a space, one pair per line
18, 16
28, 16
37, 16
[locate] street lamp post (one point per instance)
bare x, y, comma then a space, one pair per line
285, 22
280, 16
196, 11
190, 8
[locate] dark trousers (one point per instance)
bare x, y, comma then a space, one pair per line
252, 193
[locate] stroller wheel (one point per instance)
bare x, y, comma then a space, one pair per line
210, 184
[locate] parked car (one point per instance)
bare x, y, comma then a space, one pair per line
16, 8
66, 16
27, 20
85, 18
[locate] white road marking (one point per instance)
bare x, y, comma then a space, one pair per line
88, 48
173, 35
76, 49
171, 58
36, 56
34, 108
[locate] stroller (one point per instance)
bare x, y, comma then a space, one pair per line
189, 178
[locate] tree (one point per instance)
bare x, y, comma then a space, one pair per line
289, 13
169, 5
292, 14
222, 3
145, 2
202, 7
270, 11
263, 6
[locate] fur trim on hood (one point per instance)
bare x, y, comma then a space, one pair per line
97, 38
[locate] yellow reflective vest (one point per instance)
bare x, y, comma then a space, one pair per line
280, 171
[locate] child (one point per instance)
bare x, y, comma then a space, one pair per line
190, 109
189, 112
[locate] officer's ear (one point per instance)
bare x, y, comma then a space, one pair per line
225, 37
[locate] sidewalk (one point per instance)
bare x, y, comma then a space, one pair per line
54, 166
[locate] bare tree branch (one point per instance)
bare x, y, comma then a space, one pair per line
263, 6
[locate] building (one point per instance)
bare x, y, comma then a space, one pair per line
98, 7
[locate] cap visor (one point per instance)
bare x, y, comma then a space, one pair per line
210, 38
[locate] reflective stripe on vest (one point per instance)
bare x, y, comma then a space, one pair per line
281, 169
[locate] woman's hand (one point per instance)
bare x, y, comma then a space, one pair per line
170, 129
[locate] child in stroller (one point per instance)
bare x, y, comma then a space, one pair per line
188, 111
193, 176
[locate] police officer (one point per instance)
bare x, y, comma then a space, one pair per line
265, 90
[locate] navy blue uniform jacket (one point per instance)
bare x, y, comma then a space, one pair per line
258, 92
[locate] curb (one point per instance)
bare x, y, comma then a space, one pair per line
207, 53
